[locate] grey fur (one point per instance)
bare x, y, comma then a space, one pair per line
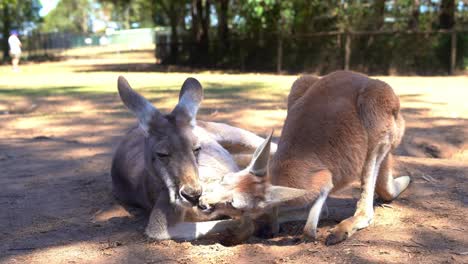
156, 161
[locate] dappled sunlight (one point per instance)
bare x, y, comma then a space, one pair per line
84, 252
447, 96
258, 120
55, 158
384, 253
31, 123
80, 107
104, 215
85, 152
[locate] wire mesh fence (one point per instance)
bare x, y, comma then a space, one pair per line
39, 45
374, 52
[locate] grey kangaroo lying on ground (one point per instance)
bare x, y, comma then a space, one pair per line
339, 129
163, 164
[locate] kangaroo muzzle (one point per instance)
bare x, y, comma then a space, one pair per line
190, 194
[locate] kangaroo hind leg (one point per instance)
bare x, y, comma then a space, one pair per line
365, 207
325, 183
389, 188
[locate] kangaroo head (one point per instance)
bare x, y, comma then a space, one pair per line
247, 191
171, 149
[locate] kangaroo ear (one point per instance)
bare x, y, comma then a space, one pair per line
142, 108
259, 164
190, 97
275, 195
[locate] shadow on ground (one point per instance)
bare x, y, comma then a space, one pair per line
59, 206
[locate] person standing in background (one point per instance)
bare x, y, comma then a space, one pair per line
15, 49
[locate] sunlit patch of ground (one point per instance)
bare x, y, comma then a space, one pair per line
60, 121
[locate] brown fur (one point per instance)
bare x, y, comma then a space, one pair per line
339, 129
300, 86
331, 123
333, 126
252, 185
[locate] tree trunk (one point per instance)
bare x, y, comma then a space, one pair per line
204, 12
413, 23
195, 21
127, 15
173, 58
172, 11
195, 32
347, 51
379, 12
223, 29
6, 32
447, 14
154, 12
200, 11
84, 23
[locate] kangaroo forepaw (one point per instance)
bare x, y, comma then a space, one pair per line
336, 236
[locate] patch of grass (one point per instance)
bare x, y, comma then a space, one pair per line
48, 91
35, 81
215, 90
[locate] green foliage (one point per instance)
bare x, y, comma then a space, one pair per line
127, 12
16, 14
255, 25
247, 33
68, 16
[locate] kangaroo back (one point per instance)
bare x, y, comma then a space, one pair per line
340, 130
300, 87
338, 118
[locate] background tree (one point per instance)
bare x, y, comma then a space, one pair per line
122, 12
222, 11
16, 14
69, 16
414, 18
253, 34
129, 14
172, 13
447, 14
200, 11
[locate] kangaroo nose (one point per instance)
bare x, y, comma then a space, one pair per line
206, 208
190, 194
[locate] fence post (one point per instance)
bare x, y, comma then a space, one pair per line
241, 55
347, 50
279, 54
41, 44
453, 52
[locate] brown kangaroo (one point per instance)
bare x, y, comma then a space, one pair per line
339, 128
163, 164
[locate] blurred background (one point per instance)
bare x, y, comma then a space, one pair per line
424, 37
61, 117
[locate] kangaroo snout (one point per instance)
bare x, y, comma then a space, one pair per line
206, 203
206, 208
190, 194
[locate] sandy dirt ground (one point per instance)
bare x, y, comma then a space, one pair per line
55, 187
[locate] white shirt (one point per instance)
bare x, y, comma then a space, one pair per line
15, 44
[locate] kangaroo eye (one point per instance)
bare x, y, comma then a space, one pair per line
161, 155
197, 150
